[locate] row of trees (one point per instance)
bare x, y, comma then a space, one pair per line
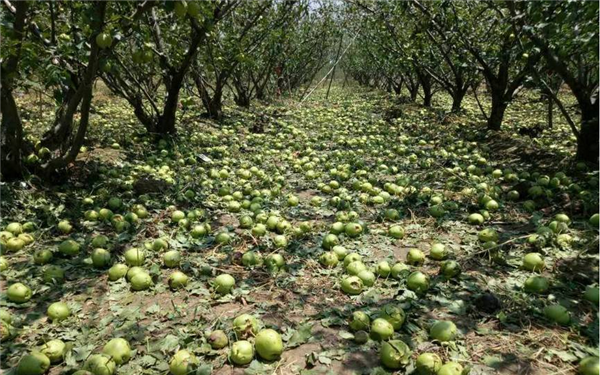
508, 45
149, 53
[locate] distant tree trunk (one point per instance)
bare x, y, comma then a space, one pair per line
458, 94
166, 121
425, 81
12, 135
587, 143
397, 86
61, 129
242, 97
498, 108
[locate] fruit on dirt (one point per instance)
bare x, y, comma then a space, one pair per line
100, 258
592, 294
476, 219
223, 238
251, 259
218, 339
415, 257
395, 354
418, 282
242, 352
395, 315
178, 280
100, 364
438, 251
118, 349
353, 229
340, 251
330, 240
58, 311
352, 285
400, 270
162, 244
536, 284
451, 368
383, 268
437, 211
328, 259
355, 268
69, 247
533, 262
245, 325
268, 344
353, 257
428, 364
18, 293
134, 257
359, 321
172, 258
589, 366
443, 330
5, 316
14, 228
487, 235
35, 363
42, 256
115, 203
14, 244
367, 277
361, 337
396, 231
450, 269
117, 271
275, 262
64, 226
381, 329
54, 349
177, 215
595, 220
183, 363
224, 283
100, 241
557, 314
198, 231
141, 281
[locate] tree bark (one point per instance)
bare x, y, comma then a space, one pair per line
166, 121
457, 97
498, 108
11, 134
587, 143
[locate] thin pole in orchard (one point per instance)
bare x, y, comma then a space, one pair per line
337, 56
330, 70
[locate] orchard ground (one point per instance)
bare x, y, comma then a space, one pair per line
410, 156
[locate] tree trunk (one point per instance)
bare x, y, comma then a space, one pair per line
242, 98
12, 135
215, 107
427, 95
457, 97
425, 81
166, 121
587, 143
498, 108
414, 91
